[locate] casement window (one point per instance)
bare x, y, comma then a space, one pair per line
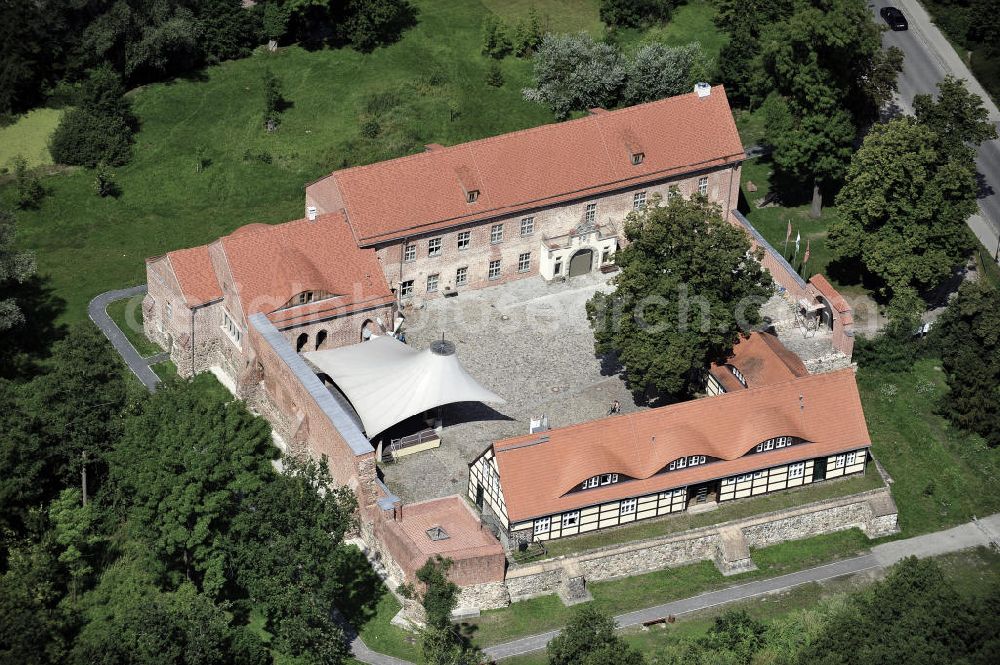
541, 525
571, 518
462, 276
590, 482
739, 376
680, 492
684, 462
703, 186
494, 271
639, 200
410, 252
432, 283
492, 479
776, 442
524, 262
838, 461
434, 247
472, 196
758, 474
729, 481
603, 479
464, 239
406, 288
637, 158
852, 458
304, 298
590, 213
527, 226
628, 506
496, 234
232, 329
796, 470
609, 478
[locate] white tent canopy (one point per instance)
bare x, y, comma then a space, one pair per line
387, 381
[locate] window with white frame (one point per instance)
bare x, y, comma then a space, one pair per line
684, 462
729, 481
494, 271
628, 506
462, 276
609, 478
542, 525
496, 233
739, 376
406, 288
410, 252
776, 442
603, 479
838, 461
590, 213
742, 478
432, 283
464, 239
527, 226
571, 518
639, 200
472, 196
637, 158
524, 262
852, 458
434, 247
232, 329
680, 492
758, 474
703, 186
590, 482
796, 470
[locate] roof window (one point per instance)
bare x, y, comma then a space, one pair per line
637, 158
472, 195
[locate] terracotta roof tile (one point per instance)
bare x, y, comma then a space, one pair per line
762, 360
537, 477
272, 264
535, 167
194, 272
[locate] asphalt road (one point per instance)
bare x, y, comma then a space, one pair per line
97, 309
928, 58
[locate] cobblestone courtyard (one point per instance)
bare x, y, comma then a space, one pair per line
528, 341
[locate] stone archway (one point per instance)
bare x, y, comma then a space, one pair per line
581, 263
320, 339
301, 341
368, 328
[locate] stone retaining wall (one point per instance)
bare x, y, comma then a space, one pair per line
873, 512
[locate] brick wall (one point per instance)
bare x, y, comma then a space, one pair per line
341, 331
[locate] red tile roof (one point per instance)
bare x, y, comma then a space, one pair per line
762, 360
194, 272
533, 167
272, 264
537, 478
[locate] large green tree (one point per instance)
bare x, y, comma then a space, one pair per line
903, 207
443, 643
16, 267
830, 76
958, 118
968, 335
186, 464
689, 282
741, 68
589, 639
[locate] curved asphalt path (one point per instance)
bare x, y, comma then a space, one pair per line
97, 310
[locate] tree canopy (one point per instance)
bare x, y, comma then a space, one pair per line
589, 639
16, 267
903, 207
689, 283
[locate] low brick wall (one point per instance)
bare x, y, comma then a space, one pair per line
866, 511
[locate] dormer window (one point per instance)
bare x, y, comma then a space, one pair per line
603, 479
637, 158
472, 195
304, 297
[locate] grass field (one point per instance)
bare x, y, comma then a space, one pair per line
29, 136
942, 476
127, 315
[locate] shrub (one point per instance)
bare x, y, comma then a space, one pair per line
635, 13
274, 101
370, 129
659, 71
29, 188
573, 72
526, 36
104, 182
85, 139
496, 42
494, 75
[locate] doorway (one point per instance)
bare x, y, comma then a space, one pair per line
581, 263
479, 496
819, 469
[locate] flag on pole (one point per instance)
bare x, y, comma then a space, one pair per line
805, 258
798, 238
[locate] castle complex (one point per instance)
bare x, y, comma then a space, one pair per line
547, 203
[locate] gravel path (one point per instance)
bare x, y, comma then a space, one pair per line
98, 312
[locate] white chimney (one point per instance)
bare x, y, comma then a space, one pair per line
703, 89
311, 213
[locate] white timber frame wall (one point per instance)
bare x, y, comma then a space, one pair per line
483, 474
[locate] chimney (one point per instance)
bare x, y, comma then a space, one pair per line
702, 89
311, 213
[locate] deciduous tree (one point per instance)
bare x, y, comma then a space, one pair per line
573, 72
957, 117
683, 261
903, 207
657, 71
16, 267
635, 13
590, 639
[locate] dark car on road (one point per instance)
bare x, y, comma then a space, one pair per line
894, 18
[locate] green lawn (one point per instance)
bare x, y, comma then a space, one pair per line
691, 22
942, 476
632, 593
738, 509
29, 136
127, 315
556, 15
380, 635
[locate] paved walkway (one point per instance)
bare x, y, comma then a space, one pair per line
98, 312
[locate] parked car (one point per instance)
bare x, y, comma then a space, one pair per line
894, 18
